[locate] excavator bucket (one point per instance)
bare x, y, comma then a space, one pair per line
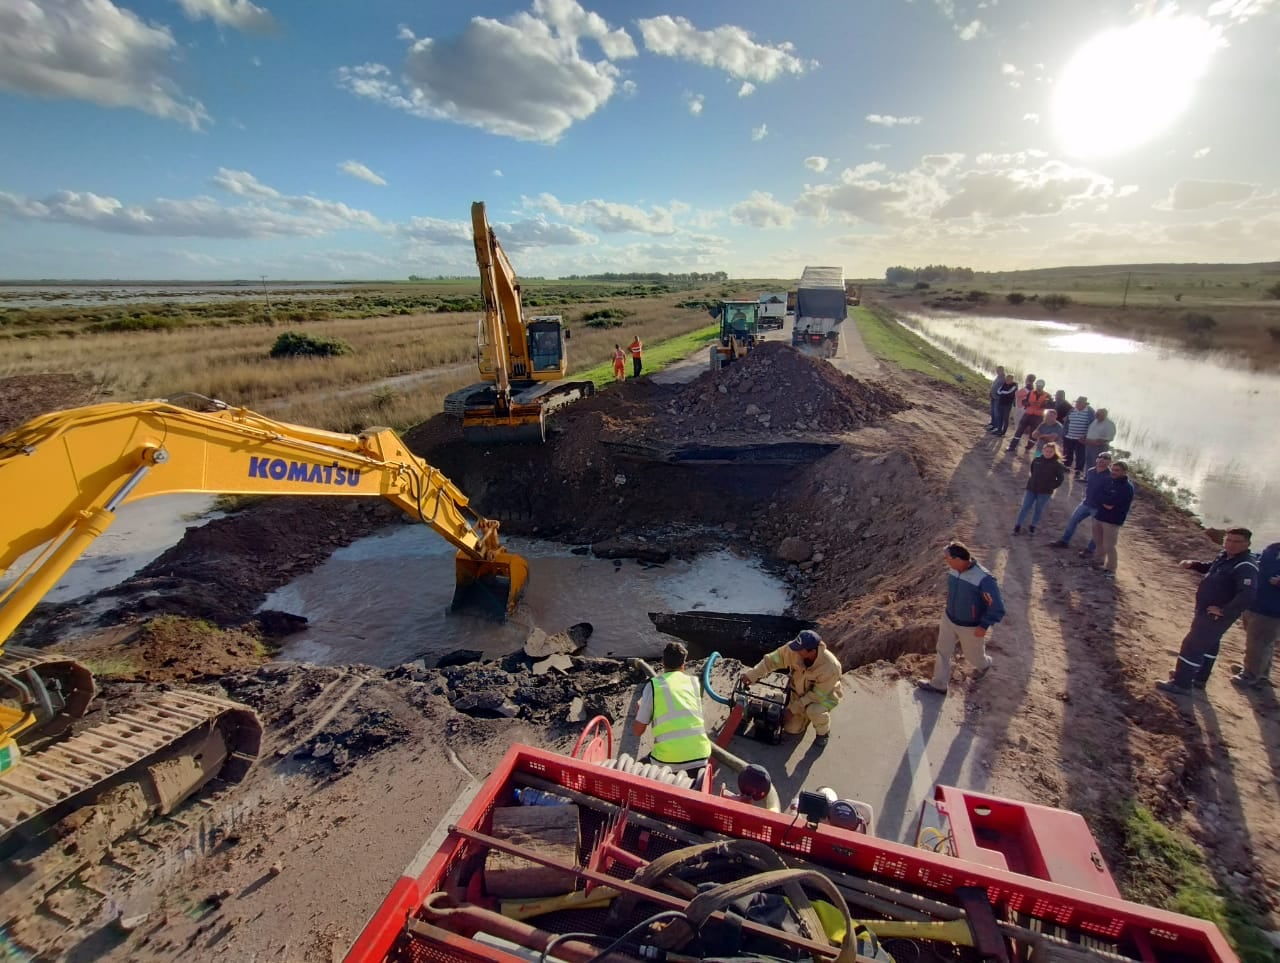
492, 586
525, 424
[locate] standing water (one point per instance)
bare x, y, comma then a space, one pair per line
384, 600
1202, 419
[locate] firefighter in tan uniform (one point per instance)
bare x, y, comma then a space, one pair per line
815, 688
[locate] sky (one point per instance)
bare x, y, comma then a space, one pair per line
346, 139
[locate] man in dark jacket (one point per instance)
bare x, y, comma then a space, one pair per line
1113, 509
1262, 623
1095, 480
1229, 585
1005, 395
973, 606
1047, 475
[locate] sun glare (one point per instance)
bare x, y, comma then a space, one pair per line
1128, 85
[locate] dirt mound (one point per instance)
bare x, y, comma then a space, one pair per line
168, 649
777, 388
23, 397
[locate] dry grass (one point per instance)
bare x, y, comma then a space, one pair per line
398, 373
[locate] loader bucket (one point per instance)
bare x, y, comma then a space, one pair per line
490, 586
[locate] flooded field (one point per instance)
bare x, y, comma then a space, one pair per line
1203, 420
398, 587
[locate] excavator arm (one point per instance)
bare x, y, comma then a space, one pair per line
63, 477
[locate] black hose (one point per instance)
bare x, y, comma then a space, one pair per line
643, 924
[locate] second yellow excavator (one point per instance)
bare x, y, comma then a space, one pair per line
63, 477
522, 360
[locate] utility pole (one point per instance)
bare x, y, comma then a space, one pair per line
1125, 300
266, 294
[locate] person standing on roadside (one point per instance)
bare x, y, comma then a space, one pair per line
1037, 399
1047, 476
619, 363
1077, 426
1100, 434
636, 349
1096, 480
1004, 405
1063, 407
1113, 509
1028, 386
1229, 585
1050, 430
993, 393
1262, 624
973, 607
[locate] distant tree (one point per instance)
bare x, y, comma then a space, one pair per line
1015, 297
1055, 302
1198, 323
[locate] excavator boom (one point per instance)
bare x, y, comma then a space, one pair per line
63, 477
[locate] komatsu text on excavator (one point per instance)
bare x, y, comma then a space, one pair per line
522, 360
63, 477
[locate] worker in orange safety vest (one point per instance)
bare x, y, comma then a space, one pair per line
619, 363
635, 347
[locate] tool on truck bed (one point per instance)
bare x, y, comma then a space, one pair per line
664, 873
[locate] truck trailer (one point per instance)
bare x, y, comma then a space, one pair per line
820, 310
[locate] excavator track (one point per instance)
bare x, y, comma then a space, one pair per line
62, 808
62, 685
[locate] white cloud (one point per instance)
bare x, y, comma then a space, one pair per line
238, 14
524, 77
694, 103
609, 217
628, 88
1239, 10
760, 133
1126, 190
433, 230
1051, 188
877, 146
761, 210
256, 61
92, 50
1193, 195
726, 48
539, 232
358, 170
497, 173
888, 120
747, 89
1202, 152
973, 28
1012, 75
1031, 118
816, 163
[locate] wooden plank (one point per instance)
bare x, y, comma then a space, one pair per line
550, 831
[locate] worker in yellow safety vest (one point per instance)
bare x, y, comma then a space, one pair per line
637, 352
815, 688
672, 703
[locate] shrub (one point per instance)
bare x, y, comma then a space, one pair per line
1055, 302
143, 322
1274, 291
921, 286
1015, 297
1274, 331
604, 318
295, 344
978, 297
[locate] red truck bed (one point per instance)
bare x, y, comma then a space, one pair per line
1089, 918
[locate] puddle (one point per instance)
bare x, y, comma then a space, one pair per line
384, 600
142, 531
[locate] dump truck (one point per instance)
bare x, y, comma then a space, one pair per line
820, 310
63, 478
773, 311
615, 859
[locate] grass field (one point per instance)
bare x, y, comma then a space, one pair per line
891, 341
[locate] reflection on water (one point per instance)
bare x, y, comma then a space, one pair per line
384, 600
1204, 420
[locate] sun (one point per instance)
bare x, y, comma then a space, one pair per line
1128, 85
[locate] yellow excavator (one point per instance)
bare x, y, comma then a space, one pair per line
63, 477
522, 360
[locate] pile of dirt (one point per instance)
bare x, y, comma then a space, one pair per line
169, 649
23, 397
777, 388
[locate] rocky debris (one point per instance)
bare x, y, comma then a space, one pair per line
459, 657
539, 645
272, 624
636, 548
560, 661
794, 549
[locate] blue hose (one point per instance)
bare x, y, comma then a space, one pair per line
706, 681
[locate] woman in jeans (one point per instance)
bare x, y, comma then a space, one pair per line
1047, 475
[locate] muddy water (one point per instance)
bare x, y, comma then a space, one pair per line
1204, 420
384, 600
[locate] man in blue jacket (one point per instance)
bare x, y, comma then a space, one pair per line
973, 606
1095, 480
1262, 623
1113, 509
1229, 585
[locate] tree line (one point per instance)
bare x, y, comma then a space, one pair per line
932, 272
